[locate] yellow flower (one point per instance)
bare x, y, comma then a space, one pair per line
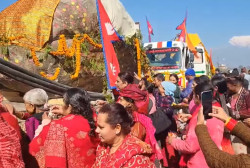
77, 7
64, 9
73, 3
5, 58
84, 14
86, 28
16, 61
71, 16
83, 20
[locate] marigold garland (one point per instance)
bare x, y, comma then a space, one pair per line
69, 52
54, 77
62, 46
138, 50
90, 40
78, 60
15, 38
34, 57
75, 49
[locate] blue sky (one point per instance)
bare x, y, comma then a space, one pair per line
216, 22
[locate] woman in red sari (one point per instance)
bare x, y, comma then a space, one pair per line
118, 148
10, 148
71, 140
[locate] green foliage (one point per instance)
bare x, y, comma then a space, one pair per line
68, 64
47, 50
107, 93
85, 48
4, 50
131, 40
4, 41
96, 65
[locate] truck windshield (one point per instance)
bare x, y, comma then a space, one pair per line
164, 57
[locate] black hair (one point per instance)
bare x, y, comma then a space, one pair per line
235, 72
159, 76
203, 79
235, 80
131, 109
201, 88
217, 69
220, 82
80, 103
176, 77
128, 99
117, 114
126, 77
149, 86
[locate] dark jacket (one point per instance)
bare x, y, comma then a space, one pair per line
218, 159
177, 98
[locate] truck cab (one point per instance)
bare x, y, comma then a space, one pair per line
174, 57
167, 56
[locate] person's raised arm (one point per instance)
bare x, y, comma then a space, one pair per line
237, 128
216, 158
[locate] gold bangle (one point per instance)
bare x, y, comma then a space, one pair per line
227, 121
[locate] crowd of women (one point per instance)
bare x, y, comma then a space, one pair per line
150, 124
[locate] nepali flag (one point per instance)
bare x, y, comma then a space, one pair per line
182, 27
182, 36
150, 30
108, 36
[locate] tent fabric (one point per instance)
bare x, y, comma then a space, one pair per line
121, 20
29, 20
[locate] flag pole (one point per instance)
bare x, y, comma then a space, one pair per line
149, 37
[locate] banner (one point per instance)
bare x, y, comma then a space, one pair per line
108, 36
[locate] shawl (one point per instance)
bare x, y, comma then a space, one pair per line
132, 153
242, 106
10, 148
65, 143
140, 97
150, 132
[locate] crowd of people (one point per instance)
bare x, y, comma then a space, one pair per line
150, 124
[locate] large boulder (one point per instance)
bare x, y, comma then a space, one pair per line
68, 17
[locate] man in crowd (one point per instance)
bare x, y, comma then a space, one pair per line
189, 74
246, 76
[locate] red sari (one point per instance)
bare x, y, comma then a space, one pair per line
10, 148
65, 143
132, 153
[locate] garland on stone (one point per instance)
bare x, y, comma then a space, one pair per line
54, 77
138, 51
75, 49
34, 57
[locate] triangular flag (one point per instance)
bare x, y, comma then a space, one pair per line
150, 29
